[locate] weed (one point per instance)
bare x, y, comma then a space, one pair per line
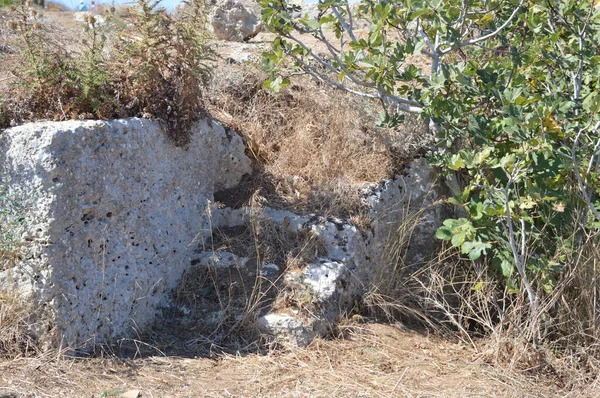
142, 63
91, 72
313, 146
4, 114
42, 69
162, 62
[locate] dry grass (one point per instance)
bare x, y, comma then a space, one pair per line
373, 361
223, 302
468, 299
15, 319
315, 145
454, 296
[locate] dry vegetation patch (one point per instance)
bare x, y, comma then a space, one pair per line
15, 320
143, 62
372, 361
313, 146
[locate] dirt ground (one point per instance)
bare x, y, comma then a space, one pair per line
374, 360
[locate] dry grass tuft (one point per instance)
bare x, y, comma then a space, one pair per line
469, 299
15, 340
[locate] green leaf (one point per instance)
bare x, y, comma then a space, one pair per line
459, 238
456, 162
475, 249
504, 266
443, 233
112, 393
312, 24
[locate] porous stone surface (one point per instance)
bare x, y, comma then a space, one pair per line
236, 20
115, 209
406, 208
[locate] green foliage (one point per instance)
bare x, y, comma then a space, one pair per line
4, 113
527, 133
163, 63
512, 94
43, 67
5, 3
148, 63
90, 70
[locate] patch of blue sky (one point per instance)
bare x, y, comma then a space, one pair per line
168, 4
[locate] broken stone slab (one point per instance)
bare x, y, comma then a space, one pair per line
115, 211
285, 328
406, 211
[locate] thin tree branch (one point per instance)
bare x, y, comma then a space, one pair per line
580, 183
518, 256
345, 25
489, 35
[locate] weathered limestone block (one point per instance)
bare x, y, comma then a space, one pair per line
406, 208
115, 209
236, 20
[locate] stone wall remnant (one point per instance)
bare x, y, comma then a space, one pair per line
115, 211
332, 285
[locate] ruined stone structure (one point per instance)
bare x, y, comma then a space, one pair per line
113, 211
114, 214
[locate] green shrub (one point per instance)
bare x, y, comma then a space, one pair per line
91, 74
512, 96
161, 63
41, 70
147, 63
4, 113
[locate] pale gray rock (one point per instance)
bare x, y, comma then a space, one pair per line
286, 328
236, 20
115, 207
406, 208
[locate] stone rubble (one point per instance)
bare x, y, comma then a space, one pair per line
236, 20
336, 282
